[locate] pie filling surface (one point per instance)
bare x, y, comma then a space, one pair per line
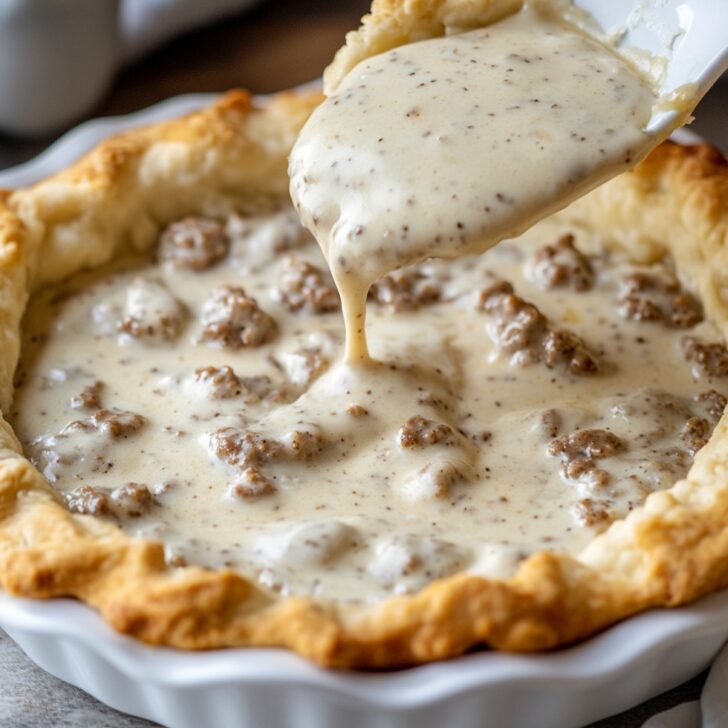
518, 401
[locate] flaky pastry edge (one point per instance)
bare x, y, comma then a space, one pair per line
671, 550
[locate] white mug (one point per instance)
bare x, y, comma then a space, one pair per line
57, 58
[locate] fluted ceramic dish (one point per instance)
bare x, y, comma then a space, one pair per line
251, 688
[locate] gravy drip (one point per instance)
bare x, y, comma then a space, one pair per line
443, 147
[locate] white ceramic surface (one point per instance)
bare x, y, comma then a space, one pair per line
689, 35
58, 57
275, 689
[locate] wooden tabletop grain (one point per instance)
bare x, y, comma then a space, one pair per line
279, 44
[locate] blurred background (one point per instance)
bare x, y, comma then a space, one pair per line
64, 62
61, 65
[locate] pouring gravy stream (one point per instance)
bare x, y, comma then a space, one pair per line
444, 147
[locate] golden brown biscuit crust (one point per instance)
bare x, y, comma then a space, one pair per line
233, 156
392, 23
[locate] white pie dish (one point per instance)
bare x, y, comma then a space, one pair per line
268, 687
609, 673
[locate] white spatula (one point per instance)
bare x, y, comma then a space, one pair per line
690, 35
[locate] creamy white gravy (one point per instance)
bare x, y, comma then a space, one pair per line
443, 147
468, 445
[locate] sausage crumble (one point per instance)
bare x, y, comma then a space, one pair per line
695, 433
89, 397
579, 452
219, 382
419, 432
151, 311
89, 501
304, 366
132, 499
356, 410
656, 295
521, 330
242, 449
548, 423
305, 286
713, 403
252, 484
406, 290
435, 480
590, 512
232, 320
562, 265
112, 422
195, 243
710, 360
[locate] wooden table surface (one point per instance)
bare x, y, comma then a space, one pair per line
279, 44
